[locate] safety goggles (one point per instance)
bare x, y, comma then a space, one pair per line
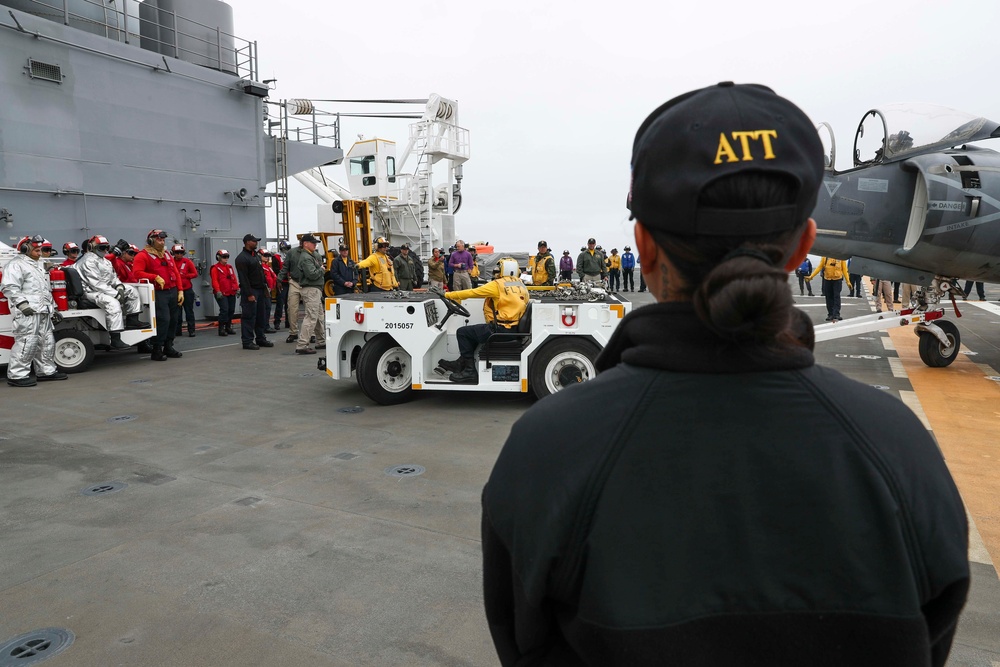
158, 235
223, 255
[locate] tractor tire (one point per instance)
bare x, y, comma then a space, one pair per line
385, 371
74, 351
563, 362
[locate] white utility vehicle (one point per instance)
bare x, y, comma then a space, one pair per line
392, 341
83, 329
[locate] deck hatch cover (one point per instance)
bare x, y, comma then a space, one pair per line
104, 489
44, 71
120, 419
405, 470
35, 646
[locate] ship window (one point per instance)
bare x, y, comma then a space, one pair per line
44, 71
390, 165
362, 165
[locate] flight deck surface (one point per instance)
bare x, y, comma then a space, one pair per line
272, 516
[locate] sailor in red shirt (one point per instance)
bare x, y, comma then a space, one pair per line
152, 263
72, 252
281, 298
270, 294
188, 272
225, 284
121, 257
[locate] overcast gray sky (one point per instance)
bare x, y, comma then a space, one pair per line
552, 92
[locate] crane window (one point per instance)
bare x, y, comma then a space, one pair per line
362, 165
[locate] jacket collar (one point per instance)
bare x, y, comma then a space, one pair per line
670, 337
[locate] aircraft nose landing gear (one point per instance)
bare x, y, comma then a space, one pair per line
939, 343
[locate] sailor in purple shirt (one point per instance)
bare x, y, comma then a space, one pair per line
461, 262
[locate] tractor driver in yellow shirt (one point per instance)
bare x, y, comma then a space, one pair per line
379, 264
506, 300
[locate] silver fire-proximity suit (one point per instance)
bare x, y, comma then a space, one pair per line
24, 281
101, 285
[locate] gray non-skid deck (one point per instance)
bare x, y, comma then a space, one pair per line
259, 525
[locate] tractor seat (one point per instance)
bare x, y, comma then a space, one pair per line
74, 290
507, 346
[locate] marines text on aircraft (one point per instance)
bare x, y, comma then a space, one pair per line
920, 205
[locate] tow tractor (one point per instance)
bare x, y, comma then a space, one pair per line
392, 341
83, 328
939, 339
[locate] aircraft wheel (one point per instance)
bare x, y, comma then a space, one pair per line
936, 355
566, 361
328, 288
74, 352
385, 372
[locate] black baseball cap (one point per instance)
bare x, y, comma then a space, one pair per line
701, 136
308, 238
591, 240
543, 243
250, 237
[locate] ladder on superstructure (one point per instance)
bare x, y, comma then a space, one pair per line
425, 201
281, 177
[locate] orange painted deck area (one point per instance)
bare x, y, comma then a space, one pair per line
963, 409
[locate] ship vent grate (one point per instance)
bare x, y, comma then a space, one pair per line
44, 71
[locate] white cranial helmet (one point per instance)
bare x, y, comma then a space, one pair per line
508, 267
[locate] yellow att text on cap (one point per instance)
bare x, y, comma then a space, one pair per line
726, 149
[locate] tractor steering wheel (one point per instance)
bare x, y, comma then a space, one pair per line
454, 307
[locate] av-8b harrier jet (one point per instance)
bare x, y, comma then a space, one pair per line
920, 206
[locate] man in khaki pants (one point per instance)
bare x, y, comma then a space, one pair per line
304, 268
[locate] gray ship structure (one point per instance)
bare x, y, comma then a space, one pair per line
117, 118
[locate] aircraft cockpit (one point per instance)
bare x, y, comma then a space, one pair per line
898, 131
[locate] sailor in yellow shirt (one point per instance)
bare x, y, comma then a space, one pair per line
379, 266
834, 272
506, 300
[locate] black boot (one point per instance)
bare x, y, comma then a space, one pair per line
468, 374
229, 330
133, 322
222, 330
452, 366
169, 351
117, 343
157, 354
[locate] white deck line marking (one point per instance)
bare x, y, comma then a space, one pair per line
896, 365
887, 343
810, 305
985, 305
911, 401
978, 553
986, 369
